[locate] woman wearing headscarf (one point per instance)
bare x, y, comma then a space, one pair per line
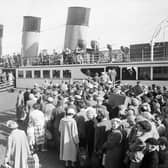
69, 138
113, 147
18, 147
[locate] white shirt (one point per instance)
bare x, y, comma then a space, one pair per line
36, 118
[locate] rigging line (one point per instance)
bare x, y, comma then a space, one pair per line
158, 29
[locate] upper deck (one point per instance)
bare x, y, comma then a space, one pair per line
83, 59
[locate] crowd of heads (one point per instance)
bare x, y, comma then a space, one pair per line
108, 116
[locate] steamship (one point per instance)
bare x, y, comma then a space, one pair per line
138, 62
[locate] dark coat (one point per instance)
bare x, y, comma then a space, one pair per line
163, 159
90, 132
165, 122
114, 150
101, 132
150, 160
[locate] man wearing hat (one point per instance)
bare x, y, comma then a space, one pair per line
163, 152
151, 158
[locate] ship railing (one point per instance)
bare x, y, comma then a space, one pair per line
74, 59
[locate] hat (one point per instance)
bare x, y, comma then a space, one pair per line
36, 85
146, 126
12, 124
100, 98
55, 93
71, 98
140, 118
131, 118
36, 106
147, 115
31, 96
135, 102
50, 99
152, 141
91, 112
102, 111
71, 111
116, 120
163, 141
78, 97
130, 112
144, 107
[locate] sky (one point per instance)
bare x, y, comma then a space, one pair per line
116, 22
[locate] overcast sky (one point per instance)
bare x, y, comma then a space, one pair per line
118, 22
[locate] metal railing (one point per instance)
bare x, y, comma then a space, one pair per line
84, 58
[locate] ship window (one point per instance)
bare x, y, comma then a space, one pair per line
66, 74
160, 73
56, 74
114, 70
92, 71
144, 73
129, 73
20, 74
37, 74
28, 74
46, 74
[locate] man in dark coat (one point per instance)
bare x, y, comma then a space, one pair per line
26, 96
163, 152
151, 158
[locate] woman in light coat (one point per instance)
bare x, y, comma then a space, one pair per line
69, 138
18, 147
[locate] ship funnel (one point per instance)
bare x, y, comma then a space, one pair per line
76, 27
1, 35
30, 36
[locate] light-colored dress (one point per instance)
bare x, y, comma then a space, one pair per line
69, 139
37, 122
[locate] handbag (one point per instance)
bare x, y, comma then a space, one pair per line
83, 158
48, 134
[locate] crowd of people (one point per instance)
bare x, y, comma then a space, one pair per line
67, 56
6, 77
94, 123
